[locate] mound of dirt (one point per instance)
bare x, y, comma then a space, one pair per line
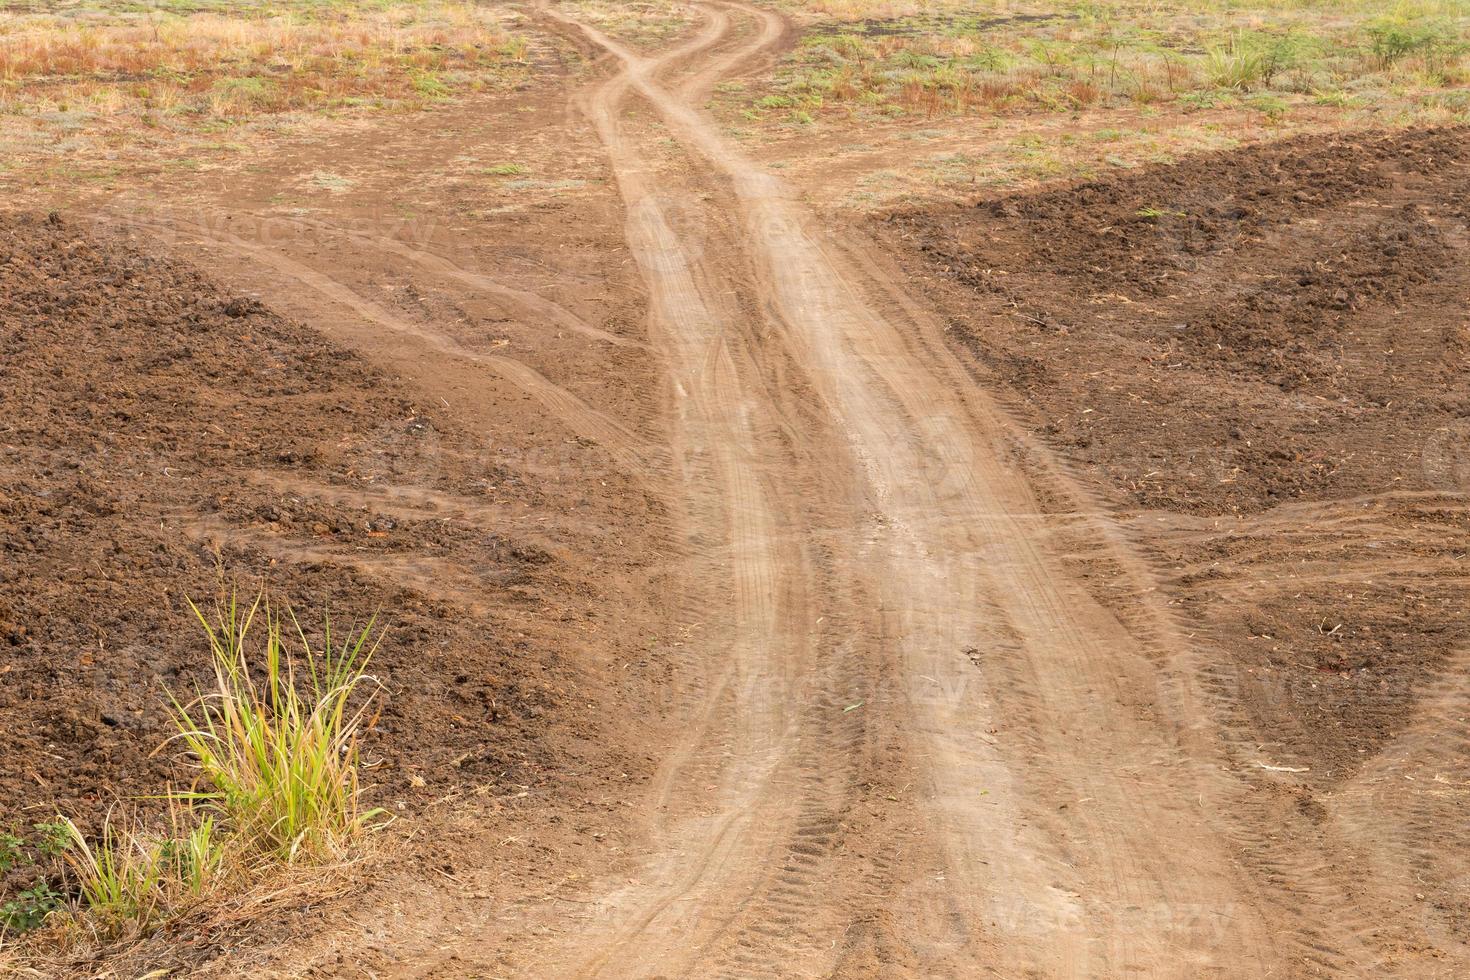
1262, 355
164, 439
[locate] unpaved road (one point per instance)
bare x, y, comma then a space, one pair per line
1071, 812
938, 572
906, 736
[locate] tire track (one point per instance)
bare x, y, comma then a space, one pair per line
631, 452
911, 433
532, 306
743, 732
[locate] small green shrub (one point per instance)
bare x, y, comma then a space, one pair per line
1273, 107
1337, 99
1392, 40
429, 85
34, 893
29, 908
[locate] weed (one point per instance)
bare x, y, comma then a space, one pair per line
276, 759
273, 745
1202, 99
429, 84
1337, 99
33, 857
30, 907
1273, 107
504, 170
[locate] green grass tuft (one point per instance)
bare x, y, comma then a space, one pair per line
272, 744
278, 756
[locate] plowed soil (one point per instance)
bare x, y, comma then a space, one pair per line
166, 438
1261, 357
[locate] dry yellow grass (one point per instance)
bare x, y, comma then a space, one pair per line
640, 22
137, 78
275, 796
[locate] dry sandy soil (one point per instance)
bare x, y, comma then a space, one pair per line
1061, 584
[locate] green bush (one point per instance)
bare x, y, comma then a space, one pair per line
1392, 40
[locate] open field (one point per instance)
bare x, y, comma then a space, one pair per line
847, 488
95, 93
952, 99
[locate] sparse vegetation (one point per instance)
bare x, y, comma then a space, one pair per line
130, 880
28, 862
272, 746
886, 59
134, 76
278, 757
1037, 92
639, 21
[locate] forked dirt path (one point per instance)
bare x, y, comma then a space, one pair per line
1059, 797
913, 741
908, 736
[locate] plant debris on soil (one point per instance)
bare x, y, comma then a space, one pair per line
1261, 355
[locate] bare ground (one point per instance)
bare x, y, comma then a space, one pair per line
1060, 585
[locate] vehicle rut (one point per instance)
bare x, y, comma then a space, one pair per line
1075, 839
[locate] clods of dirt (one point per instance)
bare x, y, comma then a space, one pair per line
161, 438
1260, 358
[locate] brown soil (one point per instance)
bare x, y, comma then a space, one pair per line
741, 625
1260, 357
168, 438
148, 405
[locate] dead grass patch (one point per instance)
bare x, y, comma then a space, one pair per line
141, 81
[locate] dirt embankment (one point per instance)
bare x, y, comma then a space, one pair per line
1261, 356
162, 439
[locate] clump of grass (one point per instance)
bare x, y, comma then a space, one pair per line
1235, 65
271, 744
504, 170
131, 880
278, 756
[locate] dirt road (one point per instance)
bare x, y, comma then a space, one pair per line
1068, 810
906, 734
941, 582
